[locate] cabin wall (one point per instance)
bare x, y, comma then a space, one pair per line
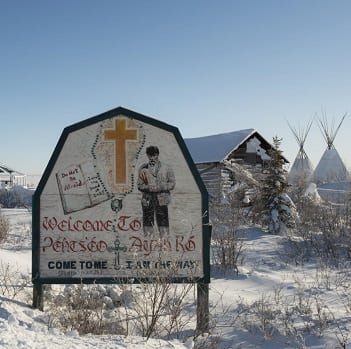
218, 179
252, 155
253, 152
211, 176
247, 157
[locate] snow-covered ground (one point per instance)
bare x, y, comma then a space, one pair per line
273, 302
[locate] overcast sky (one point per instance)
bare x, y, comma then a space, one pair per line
206, 67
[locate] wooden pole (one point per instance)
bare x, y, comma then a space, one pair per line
202, 308
38, 296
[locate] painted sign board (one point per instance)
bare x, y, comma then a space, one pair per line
120, 201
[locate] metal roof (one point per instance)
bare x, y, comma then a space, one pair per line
6, 169
216, 148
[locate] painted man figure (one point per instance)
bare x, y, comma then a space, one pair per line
155, 181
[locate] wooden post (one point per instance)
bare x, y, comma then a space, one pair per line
38, 296
202, 308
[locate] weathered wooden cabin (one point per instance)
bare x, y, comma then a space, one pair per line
223, 160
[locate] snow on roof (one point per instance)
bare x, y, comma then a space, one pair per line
6, 169
216, 148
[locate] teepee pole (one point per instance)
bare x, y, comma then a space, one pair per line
329, 132
300, 135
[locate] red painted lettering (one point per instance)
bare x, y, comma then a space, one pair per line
64, 245
53, 224
126, 223
149, 246
185, 245
122, 223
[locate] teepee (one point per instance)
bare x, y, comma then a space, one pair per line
330, 168
302, 168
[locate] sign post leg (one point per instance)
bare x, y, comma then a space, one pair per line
38, 296
202, 308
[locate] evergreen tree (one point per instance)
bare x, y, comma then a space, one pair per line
278, 209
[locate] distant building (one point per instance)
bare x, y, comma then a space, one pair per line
10, 177
226, 159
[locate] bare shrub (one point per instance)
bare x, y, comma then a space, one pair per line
12, 282
148, 304
83, 308
176, 318
207, 341
324, 231
292, 316
341, 331
227, 250
228, 241
158, 309
222, 315
296, 250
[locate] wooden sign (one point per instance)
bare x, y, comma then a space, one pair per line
120, 201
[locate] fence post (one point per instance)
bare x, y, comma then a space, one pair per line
38, 296
202, 307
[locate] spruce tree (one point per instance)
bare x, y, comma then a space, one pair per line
278, 208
